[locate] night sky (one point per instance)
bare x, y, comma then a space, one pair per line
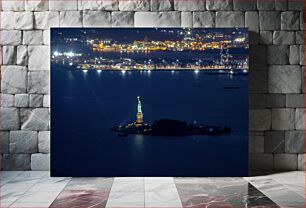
125, 35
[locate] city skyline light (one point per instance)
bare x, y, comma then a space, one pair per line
151, 49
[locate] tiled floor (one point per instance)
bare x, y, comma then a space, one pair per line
38, 190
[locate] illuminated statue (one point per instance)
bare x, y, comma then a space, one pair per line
139, 116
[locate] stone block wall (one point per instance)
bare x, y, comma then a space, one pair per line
276, 91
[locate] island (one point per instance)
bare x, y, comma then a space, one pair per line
167, 127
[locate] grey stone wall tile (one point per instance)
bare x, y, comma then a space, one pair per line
36, 55
4, 141
9, 55
24, 20
36, 100
40, 162
37, 5
36, 120
261, 161
16, 162
215, 5
302, 55
13, 79
283, 118
278, 54
134, 5
256, 133
295, 101
22, 55
290, 21
21, 100
265, 5
258, 82
257, 101
256, 144
274, 142
13, 5
203, 19
33, 37
38, 82
109, 5
45, 20
253, 38
299, 37
276, 100
266, 37
258, 58
10, 119
162, 5
269, 20
97, 19
259, 119
252, 23
46, 101
1, 56
24, 114
122, 19
157, 19
285, 162
281, 5
6, 100
186, 19
302, 20
11, 37
63, 5
303, 79
283, 37
247, 5
44, 141
294, 141
301, 161
71, 19
229, 19
194, 5
23, 142
7, 20
296, 5
294, 54
300, 119
46, 37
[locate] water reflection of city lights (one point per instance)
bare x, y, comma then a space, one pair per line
123, 71
85, 70
99, 71
196, 71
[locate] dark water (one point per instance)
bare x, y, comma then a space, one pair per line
86, 105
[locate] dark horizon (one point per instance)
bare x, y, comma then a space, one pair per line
125, 35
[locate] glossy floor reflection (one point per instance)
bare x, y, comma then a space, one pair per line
38, 190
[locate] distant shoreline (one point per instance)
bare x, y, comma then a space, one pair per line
206, 71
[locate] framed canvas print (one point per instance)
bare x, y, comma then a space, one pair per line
149, 101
